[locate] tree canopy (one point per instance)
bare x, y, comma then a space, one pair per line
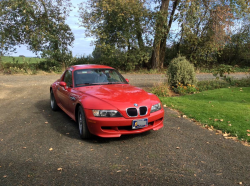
40, 24
144, 26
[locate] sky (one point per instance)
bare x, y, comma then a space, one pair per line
81, 45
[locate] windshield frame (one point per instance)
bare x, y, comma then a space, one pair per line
123, 80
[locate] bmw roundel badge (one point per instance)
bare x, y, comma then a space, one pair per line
135, 105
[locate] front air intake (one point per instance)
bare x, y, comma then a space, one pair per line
132, 112
143, 110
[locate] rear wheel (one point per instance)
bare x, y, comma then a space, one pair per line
53, 103
83, 128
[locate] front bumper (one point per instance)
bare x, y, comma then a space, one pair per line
115, 127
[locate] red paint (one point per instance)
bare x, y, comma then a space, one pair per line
107, 97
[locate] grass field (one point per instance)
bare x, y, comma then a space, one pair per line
226, 109
9, 59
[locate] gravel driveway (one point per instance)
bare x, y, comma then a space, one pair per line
42, 147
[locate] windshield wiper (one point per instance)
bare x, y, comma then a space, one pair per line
115, 83
83, 84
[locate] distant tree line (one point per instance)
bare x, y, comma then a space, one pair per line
133, 33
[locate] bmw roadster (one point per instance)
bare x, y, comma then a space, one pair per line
103, 103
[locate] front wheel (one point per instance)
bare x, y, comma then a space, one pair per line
83, 128
53, 103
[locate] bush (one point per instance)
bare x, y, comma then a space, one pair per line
227, 82
50, 66
182, 90
160, 90
17, 68
181, 71
222, 69
212, 84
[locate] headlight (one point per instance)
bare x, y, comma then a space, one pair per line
155, 107
106, 113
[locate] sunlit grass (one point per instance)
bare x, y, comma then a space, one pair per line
230, 105
9, 59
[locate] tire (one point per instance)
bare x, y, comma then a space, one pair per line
53, 103
83, 128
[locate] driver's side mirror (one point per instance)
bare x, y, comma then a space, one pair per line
127, 80
63, 84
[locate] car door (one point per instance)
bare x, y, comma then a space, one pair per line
64, 92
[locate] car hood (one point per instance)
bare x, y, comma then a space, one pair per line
120, 96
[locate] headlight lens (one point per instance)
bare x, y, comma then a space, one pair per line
155, 107
106, 113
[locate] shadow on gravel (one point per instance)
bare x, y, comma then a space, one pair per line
63, 124
123, 138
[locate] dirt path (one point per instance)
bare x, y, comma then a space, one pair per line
42, 147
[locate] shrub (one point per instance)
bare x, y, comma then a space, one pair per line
180, 70
212, 84
189, 89
50, 66
228, 82
18, 68
222, 69
160, 90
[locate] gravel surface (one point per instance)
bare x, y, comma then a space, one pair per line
42, 147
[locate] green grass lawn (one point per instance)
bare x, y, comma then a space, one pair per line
232, 105
9, 59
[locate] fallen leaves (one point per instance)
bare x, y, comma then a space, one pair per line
226, 134
46, 122
218, 120
5, 176
218, 132
60, 169
50, 149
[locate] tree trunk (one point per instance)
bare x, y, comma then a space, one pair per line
161, 33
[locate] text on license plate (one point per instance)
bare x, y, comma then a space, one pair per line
139, 123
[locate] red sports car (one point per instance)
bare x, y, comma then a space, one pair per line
102, 102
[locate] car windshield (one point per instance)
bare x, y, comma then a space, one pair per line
86, 77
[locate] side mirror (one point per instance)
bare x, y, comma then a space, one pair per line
63, 84
127, 80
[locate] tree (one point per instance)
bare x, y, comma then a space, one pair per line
207, 27
162, 28
119, 27
40, 24
122, 27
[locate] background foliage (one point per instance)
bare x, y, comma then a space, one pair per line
132, 34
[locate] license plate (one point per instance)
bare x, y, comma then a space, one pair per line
139, 123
